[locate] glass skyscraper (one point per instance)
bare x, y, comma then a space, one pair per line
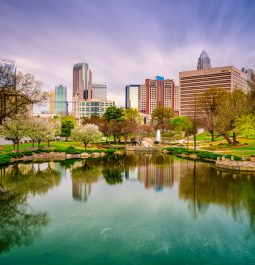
204, 61
61, 100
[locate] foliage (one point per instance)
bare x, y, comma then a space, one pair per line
86, 134
132, 115
182, 123
251, 94
14, 129
161, 117
67, 124
245, 125
112, 176
114, 113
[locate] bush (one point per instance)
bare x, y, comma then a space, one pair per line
73, 151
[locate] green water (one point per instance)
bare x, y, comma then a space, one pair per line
126, 210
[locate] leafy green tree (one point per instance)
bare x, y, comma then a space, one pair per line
114, 113
251, 93
114, 116
86, 134
183, 124
245, 125
67, 124
161, 117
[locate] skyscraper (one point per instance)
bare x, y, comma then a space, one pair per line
159, 92
99, 91
82, 81
61, 100
204, 61
8, 72
131, 96
52, 101
194, 83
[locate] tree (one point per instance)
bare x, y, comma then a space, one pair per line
114, 116
232, 106
183, 124
245, 125
161, 117
86, 134
67, 124
18, 92
133, 115
209, 105
114, 113
251, 93
14, 130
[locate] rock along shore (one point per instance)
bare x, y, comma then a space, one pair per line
56, 156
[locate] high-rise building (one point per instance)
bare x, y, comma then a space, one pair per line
248, 71
8, 72
142, 99
61, 100
99, 91
176, 99
131, 96
204, 61
52, 101
82, 81
194, 83
159, 93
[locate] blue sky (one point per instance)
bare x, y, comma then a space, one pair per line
124, 41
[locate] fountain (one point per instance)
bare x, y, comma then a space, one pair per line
158, 136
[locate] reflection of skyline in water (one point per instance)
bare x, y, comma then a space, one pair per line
80, 190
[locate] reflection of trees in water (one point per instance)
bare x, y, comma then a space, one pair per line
83, 177
19, 224
203, 185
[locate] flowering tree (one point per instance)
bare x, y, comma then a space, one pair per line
86, 134
14, 130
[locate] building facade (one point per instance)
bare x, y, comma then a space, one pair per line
159, 93
60, 100
8, 72
204, 61
142, 99
82, 81
99, 91
194, 83
52, 101
131, 96
176, 99
88, 108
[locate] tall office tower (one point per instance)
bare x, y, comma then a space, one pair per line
61, 100
204, 61
99, 91
194, 83
159, 92
176, 99
8, 72
131, 94
248, 71
52, 101
142, 99
82, 82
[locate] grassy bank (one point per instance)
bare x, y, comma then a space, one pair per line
197, 154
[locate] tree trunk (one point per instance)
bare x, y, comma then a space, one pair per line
39, 141
17, 143
85, 146
227, 138
195, 141
33, 143
234, 139
212, 134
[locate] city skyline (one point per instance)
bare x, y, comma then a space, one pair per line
120, 43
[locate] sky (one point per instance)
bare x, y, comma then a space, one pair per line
124, 41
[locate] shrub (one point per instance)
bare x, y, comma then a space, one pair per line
73, 151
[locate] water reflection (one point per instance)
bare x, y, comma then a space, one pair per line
19, 223
83, 175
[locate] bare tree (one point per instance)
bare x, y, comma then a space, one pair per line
18, 92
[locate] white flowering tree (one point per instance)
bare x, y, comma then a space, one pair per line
14, 130
86, 134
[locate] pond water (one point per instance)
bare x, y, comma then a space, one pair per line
130, 209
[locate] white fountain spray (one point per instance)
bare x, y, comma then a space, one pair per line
158, 136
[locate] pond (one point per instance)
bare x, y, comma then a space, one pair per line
126, 209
